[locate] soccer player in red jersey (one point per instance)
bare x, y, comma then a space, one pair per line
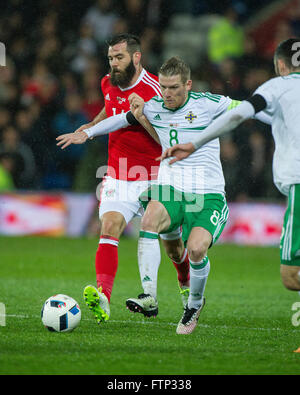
131, 170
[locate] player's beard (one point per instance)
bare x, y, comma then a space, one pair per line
123, 78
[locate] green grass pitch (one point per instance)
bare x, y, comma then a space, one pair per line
245, 328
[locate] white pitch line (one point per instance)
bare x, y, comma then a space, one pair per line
164, 323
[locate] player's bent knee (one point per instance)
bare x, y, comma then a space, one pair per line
197, 248
196, 252
154, 219
149, 223
290, 284
290, 277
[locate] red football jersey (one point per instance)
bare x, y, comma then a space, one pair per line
131, 151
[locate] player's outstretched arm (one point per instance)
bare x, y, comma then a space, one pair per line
65, 140
223, 124
108, 125
98, 118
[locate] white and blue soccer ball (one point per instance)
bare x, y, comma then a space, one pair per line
61, 313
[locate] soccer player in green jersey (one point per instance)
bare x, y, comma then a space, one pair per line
192, 192
279, 97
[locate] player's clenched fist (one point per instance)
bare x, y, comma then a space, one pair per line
136, 105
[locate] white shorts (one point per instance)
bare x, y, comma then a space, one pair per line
122, 196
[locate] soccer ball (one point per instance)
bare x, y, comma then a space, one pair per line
61, 313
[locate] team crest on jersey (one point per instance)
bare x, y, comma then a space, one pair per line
190, 117
110, 192
121, 99
107, 97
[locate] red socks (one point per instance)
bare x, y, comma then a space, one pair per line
106, 263
183, 268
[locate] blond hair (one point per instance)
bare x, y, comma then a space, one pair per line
176, 66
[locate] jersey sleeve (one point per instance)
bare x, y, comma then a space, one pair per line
218, 104
268, 92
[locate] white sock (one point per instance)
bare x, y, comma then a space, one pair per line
149, 260
199, 272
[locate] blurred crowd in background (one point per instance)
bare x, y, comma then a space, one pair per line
57, 55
